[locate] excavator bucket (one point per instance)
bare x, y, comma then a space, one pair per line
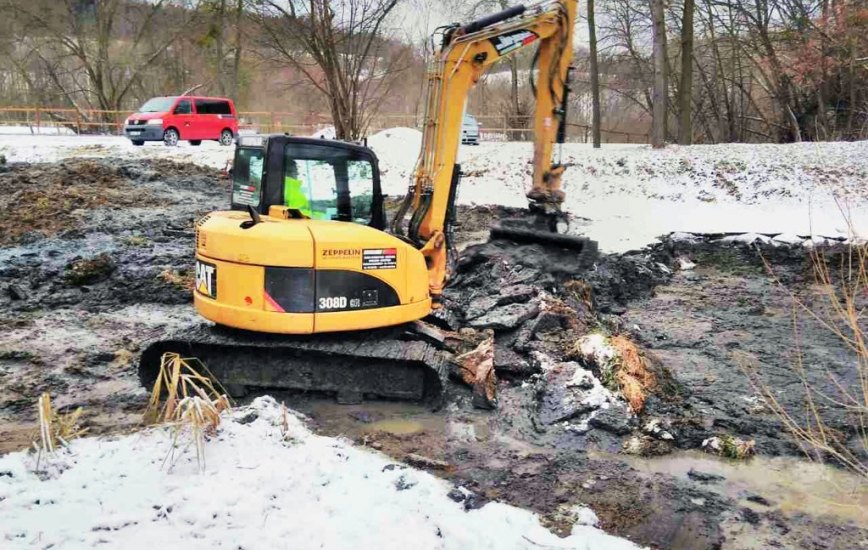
542, 229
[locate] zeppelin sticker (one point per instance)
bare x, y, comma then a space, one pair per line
510, 41
380, 258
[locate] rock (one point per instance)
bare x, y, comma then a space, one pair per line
425, 462
508, 361
563, 397
516, 294
704, 477
90, 270
402, 483
615, 419
646, 446
479, 307
506, 317
546, 321
758, 499
654, 428
456, 495
750, 516
247, 417
16, 292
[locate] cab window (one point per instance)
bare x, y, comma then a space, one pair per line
247, 176
328, 183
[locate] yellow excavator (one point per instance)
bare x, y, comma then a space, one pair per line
309, 287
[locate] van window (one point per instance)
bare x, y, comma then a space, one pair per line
157, 105
183, 107
212, 107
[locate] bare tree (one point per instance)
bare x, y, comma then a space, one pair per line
94, 52
595, 75
660, 93
340, 48
685, 88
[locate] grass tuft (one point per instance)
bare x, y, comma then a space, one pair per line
55, 429
187, 400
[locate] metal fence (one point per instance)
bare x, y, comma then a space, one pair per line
65, 121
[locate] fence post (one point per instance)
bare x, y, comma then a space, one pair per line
38, 120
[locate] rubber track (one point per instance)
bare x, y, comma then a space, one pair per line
394, 363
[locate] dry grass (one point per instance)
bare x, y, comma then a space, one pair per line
632, 374
843, 290
188, 401
181, 279
55, 429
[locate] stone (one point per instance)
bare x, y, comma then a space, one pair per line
479, 307
516, 294
506, 317
559, 401
614, 420
508, 361
16, 292
758, 499
425, 462
546, 321
704, 477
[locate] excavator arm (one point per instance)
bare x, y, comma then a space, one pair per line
464, 55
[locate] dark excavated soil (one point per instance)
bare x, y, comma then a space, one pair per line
79, 295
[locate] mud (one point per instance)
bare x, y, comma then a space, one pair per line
78, 297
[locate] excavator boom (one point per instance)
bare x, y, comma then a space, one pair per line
465, 53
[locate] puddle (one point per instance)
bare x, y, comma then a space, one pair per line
791, 485
396, 426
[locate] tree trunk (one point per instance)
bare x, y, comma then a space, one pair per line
236, 60
660, 92
218, 35
685, 89
595, 76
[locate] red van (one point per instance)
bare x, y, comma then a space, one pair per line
190, 118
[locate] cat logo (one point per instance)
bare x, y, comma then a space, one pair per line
206, 279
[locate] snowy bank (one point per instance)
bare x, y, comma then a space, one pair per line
625, 196
261, 489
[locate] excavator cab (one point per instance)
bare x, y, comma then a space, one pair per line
311, 178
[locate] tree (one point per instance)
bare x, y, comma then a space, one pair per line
94, 52
338, 47
660, 92
595, 76
685, 88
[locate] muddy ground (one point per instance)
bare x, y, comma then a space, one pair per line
96, 257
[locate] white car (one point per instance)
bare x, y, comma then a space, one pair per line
469, 131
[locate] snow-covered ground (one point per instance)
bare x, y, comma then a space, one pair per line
261, 488
629, 194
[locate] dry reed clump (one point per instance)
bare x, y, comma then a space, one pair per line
55, 429
621, 365
188, 401
632, 374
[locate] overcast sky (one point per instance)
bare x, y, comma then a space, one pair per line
416, 19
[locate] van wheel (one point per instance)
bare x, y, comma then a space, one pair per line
226, 137
171, 137
138, 142
195, 142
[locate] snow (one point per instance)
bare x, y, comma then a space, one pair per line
36, 130
261, 489
624, 196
